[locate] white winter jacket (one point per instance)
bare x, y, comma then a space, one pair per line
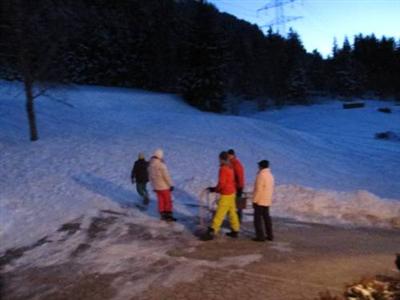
263, 188
159, 175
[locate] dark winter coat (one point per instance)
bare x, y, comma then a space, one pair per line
139, 171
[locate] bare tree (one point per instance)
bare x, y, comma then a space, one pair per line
32, 35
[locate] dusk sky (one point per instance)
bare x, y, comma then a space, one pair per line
323, 20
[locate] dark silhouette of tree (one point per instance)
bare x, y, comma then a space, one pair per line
345, 80
202, 83
297, 86
275, 67
317, 72
296, 81
32, 42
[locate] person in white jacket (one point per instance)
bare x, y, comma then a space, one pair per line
162, 184
262, 200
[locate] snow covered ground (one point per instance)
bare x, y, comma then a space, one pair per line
328, 166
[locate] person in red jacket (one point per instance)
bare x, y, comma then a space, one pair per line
227, 188
239, 181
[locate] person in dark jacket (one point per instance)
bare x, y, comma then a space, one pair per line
140, 176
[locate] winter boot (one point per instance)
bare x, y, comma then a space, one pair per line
209, 235
170, 217
233, 234
163, 216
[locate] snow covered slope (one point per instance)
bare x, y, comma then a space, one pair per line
345, 145
89, 137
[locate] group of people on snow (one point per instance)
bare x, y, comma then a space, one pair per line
231, 182
157, 172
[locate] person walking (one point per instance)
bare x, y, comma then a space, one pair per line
239, 182
140, 176
262, 200
162, 184
226, 205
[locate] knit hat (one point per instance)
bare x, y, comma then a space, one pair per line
141, 155
263, 164
223, 156
159, 153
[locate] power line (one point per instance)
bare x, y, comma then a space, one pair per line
280, 18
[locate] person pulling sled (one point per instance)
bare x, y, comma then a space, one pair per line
162, 184
227, 203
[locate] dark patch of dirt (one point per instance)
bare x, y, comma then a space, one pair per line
111, 212
99, 226
80, 249
161, 263
61, 282
70, 228
138, 232
15, 253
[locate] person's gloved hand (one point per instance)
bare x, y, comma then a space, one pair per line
239, 192
211, 189
171, 188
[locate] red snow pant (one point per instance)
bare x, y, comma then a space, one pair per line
164, 201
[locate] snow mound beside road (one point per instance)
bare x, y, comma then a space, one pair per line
359, 208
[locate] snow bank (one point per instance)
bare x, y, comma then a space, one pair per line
359, 208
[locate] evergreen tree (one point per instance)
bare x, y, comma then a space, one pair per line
397, 72
297, 86
275, 67
346, 83
202, 84
316, 72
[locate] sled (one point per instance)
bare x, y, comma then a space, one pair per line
245, 201
207, 207
241, 202
209, 202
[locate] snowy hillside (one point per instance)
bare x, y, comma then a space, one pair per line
328, 166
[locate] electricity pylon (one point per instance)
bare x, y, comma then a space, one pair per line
280, 19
